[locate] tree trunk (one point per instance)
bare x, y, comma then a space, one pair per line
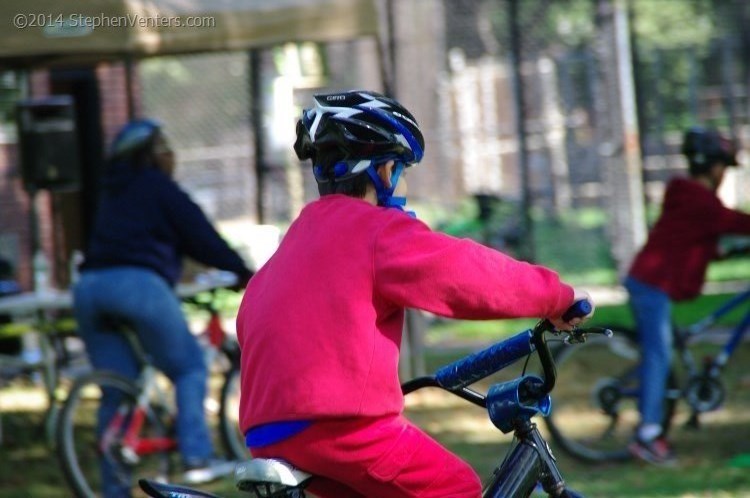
617, 130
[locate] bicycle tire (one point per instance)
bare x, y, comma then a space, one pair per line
78, 448
595, 408
229, 409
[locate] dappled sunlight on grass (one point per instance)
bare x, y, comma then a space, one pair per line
28, 467
22, 398
441, 413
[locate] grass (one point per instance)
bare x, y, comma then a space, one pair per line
706, 455
704, 471
29, 468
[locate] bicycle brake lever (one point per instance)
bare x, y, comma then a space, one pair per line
578, 336
574, 339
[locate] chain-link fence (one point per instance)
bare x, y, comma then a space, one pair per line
203, 101
531, 110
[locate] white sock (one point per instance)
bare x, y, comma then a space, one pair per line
647, 432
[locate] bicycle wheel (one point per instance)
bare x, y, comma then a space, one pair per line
91, 458
229, 411
595, 402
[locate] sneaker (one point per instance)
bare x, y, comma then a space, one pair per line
207, 470
657, 451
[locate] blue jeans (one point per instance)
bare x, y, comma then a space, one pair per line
148, 303
653, 311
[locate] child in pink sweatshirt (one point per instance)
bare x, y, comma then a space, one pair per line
320, 324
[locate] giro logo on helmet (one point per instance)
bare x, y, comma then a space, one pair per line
347, 132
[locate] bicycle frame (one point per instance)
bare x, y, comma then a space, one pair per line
100, 447
129, 422
609, 396
702, 326
682, 336
511, 406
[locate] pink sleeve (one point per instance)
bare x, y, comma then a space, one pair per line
416, 267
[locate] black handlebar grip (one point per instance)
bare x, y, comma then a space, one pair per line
579, 309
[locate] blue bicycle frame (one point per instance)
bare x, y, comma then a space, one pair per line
737, 334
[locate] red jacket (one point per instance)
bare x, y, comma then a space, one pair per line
685, 238
320, 323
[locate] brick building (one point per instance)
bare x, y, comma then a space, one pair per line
102, 106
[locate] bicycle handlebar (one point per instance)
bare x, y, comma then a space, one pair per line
207, 281
734, 252
578, 310
484, 363
733, 246
479, 365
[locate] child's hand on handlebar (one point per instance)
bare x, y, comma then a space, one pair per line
576, 318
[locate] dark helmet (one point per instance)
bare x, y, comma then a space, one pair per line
345, 133
134, 137
703, 147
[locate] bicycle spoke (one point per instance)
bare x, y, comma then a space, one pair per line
93, 458
232, 439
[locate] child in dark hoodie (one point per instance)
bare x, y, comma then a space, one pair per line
144, 226
672, 267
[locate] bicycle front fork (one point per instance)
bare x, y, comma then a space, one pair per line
530, 462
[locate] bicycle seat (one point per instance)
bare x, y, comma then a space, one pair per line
270, 478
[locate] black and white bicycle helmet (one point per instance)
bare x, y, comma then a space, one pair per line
359, 130
705, 146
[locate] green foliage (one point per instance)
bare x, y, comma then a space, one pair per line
657, 24
572, 21
10, 92
576, 246
569, 23
226, 301
667, 24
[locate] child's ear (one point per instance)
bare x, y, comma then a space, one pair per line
384, 172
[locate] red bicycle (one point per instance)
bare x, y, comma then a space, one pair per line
139, 438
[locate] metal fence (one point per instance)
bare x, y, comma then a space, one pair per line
203, 101
515, 103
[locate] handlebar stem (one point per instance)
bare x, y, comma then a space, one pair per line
545, 356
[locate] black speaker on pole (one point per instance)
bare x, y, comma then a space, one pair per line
48, 144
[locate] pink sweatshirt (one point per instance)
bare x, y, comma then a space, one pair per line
320, 323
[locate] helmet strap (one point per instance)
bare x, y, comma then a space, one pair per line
385, 194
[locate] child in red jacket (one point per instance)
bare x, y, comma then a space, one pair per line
320, 324
672, 267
